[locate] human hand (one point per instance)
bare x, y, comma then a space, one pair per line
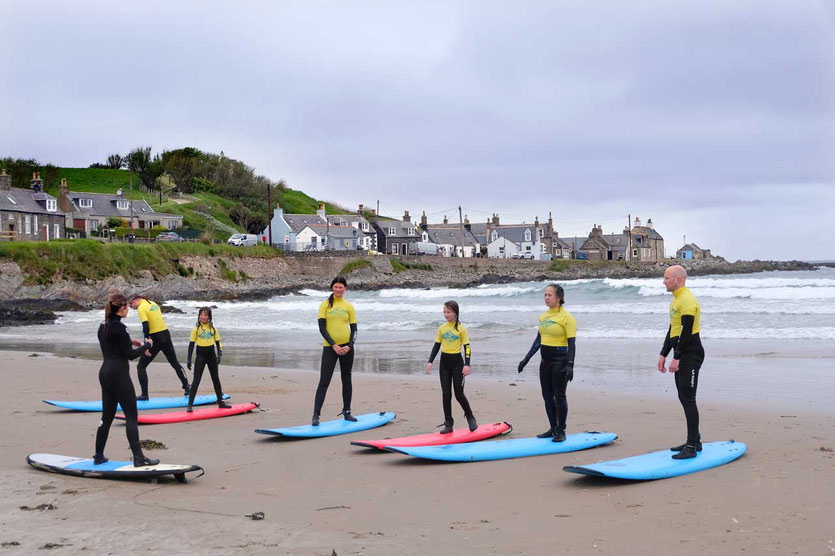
188, 364
569, 372
135, 343
466, 370
522, 364
661, 364
674, 365
429, 368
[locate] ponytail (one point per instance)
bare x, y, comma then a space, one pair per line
114, 305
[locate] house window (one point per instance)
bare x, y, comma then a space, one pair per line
12, 201
35, 227
528, 248
392, 231
494, 236
527, 235
424, 237
51, 205
85, 203
541, 233
365, 226
634, 252
501, 250
122, 205
28, 228
94, 225
394, 249
411, 231
56, 231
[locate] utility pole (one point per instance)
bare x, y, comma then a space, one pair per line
378, 207
461, 229
269, 216
628, 237
131, 199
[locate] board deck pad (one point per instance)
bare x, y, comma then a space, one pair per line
457, 436
491, 450
661, 465
196, 415
84, 467
153, 403
335, 427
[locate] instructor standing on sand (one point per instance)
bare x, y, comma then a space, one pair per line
688, 355
154, 327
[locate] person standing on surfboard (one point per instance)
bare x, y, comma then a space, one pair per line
451, 337
153, 326
338, 326
688, 355
205, 335
555, 341
114, 377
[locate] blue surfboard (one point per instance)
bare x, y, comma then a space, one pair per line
335, 427
505, 449
85, 467
661, 465
153, 403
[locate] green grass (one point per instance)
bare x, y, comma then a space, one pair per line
298, 202
399, 266
45, 262
354, 265
100, 180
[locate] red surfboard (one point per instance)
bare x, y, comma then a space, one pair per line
196, 415
457, 436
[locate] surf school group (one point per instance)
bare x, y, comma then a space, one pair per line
555, 341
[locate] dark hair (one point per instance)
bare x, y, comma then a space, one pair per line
337, 280
135, 297
205, 310
453, 306
558, 291
114, 304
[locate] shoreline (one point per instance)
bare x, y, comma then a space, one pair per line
324, 495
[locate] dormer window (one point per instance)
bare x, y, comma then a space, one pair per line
365, 226
12, 201
411, 231
85, 203
425, 236
51, 205
392, 231
494, 236
122, 205
541, 233
527, 235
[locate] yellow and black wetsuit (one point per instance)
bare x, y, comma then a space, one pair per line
449, 340
206, 337
684, 340
153, 326
555, 340
338, 325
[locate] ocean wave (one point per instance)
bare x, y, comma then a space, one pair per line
822, 333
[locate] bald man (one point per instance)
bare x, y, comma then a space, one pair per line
683, 340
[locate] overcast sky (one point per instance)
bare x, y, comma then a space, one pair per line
714, 118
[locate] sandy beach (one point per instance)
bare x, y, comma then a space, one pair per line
324, 496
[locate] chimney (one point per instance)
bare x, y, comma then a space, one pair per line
37, 182
649, 223
495, 219
637, 222
321, 211
361, 209
467, 223
423, 222
278, 210
406, 217
64, 196
373, 212
446, 221
5, 180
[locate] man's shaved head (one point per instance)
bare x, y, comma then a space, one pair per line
674, 277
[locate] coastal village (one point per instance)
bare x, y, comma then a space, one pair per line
34, 215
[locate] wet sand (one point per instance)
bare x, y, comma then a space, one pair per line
324, 495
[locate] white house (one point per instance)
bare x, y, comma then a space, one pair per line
514, 239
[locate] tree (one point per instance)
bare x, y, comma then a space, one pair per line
146, 168
241, 216
20, 169
182, 170
50, 175
115, 162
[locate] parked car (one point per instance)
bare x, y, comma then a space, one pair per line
243, 240
527, 255
169, 236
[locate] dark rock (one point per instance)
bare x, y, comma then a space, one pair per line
169, 309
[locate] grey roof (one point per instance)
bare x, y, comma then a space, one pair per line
297, 222
595, 241
105, 204
479, 231
514, 233
401, 229
337, 232
692, 247
559, 242
26, 200
450, 234
650, 232
349, 220
575, 243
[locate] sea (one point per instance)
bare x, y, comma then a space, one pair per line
769, 337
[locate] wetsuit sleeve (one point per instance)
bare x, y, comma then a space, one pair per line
435, 349
353, 334
572, 348
537, 343
146, 329
190, 351
467, 354
687, 322
127, 349
668, 344
323, 330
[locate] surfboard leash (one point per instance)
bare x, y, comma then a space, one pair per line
255, 516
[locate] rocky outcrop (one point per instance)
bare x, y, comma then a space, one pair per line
261, 278
33, 311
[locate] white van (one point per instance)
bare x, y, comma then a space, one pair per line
423, 248
243, 240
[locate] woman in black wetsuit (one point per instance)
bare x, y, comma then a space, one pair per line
114, 377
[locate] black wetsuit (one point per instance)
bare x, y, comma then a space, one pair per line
162, 343
451, 373
205, 356
687, 348
116, 385
329, 359
556, 370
